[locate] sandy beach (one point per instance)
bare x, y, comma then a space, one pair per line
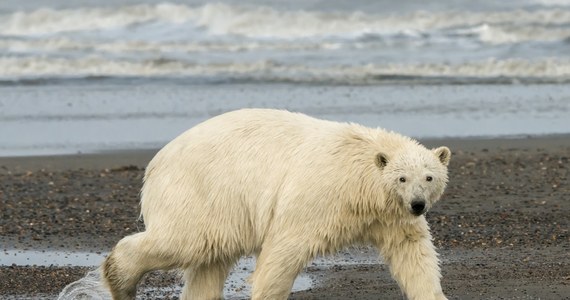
501, 227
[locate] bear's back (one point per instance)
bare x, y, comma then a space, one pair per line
244, 154
249, 135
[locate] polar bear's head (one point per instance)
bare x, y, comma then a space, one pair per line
415, 177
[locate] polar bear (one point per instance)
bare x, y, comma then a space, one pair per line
285, 187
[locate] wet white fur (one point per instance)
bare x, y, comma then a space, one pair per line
285, 187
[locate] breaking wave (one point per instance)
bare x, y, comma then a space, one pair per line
261, 43
264, 22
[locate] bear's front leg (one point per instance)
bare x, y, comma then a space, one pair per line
413, 261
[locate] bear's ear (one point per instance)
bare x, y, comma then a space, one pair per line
381, 160
443, 154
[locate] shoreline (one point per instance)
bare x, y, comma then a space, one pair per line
140, 157
501, 227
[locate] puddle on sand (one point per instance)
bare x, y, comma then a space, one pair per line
236, 287
49, 258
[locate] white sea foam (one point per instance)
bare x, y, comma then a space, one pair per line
61, 44
267, 70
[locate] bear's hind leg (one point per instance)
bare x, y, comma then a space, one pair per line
206, 281
132, 257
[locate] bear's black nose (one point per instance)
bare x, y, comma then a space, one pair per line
418, 207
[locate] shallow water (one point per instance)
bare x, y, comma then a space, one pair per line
65, 118
97, 75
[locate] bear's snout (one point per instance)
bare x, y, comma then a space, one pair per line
418, 207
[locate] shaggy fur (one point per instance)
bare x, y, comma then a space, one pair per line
285, 187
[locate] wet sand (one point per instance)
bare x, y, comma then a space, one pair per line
501, 227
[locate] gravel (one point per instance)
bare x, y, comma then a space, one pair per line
501, 227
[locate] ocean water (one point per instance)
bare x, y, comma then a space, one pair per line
96, 75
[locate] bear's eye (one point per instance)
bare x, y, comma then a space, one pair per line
429, 178
402, 179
